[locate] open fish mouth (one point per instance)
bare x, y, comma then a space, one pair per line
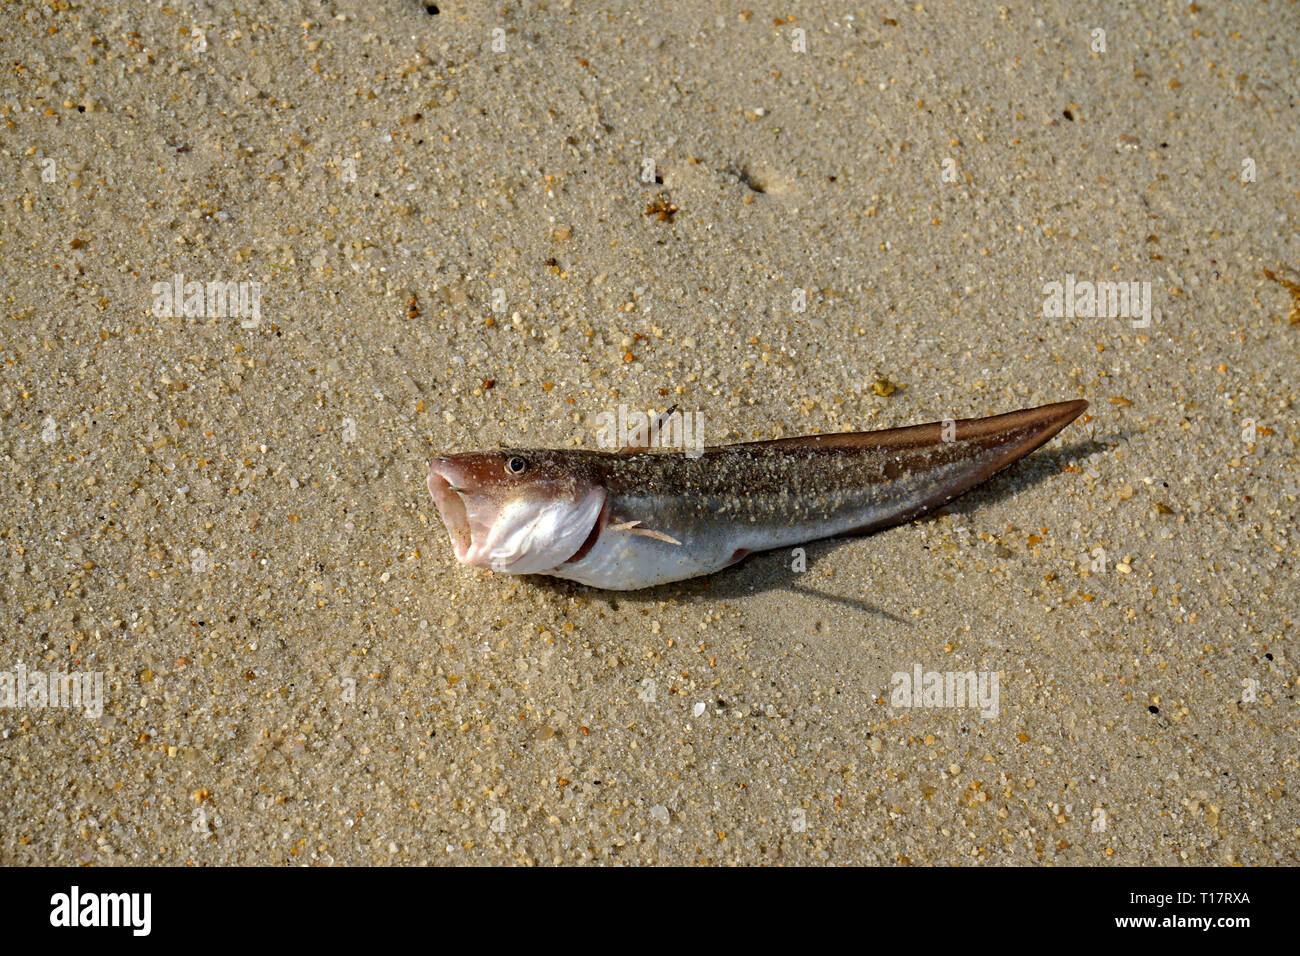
466, 539
510, 526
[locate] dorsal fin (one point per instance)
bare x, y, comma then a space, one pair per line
1049, 418
639, 442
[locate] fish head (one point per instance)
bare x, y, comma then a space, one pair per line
519, 512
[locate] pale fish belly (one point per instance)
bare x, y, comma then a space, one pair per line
710, 540
624, 561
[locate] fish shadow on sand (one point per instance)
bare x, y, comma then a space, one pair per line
770, 570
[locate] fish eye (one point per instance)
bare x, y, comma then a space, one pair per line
516, 465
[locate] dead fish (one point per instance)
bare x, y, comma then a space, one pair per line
634, 519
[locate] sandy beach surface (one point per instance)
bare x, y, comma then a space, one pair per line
471, 225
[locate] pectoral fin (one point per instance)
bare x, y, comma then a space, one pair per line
632, 527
